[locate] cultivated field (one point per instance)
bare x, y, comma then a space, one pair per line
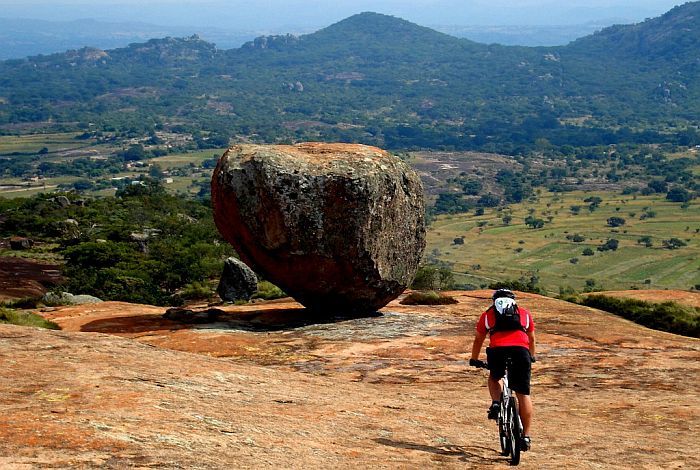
494, 251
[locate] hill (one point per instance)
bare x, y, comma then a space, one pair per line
262, 391
379, 80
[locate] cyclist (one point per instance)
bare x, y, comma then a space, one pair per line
513, 340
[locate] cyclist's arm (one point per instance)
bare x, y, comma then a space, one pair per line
531, 337
478, 342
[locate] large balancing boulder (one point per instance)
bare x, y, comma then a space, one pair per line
339, 227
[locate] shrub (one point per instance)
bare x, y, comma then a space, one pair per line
268, 291
576, 238
14, 317
587, 252
24, 303
666, 316
196, 291
427, 298
433, 277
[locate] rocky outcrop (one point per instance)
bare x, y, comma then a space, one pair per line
21, 243
142, 238
68, 229
238, 281
338, 227
66, 298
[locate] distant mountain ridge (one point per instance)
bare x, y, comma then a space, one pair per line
375, 79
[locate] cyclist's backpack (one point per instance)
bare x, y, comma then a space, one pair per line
507, 316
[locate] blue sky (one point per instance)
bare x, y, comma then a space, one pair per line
278, 14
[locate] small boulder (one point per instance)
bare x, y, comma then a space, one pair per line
62, 201
238, 281
66, 298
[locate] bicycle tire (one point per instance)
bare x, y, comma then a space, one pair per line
514, 432
502, 429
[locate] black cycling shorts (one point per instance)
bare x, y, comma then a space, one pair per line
521, 362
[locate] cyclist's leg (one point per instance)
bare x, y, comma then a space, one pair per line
497, 369
495, 387
520, 383
525, 404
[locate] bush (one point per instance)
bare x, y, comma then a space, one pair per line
587, 252
269, 291
433, 277
14, 317
666, 316
24, 303
427, 298
196, 291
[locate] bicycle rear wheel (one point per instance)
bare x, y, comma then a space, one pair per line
514, 431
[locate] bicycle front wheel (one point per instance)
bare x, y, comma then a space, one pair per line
514, 431
503, 426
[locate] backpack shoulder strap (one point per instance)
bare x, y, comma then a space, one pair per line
489, 327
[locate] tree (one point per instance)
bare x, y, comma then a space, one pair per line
678, 195
673, 243
587, 252
534, 222
133, 153
616, 221
610, 245
657, 186
488, 200
645, 240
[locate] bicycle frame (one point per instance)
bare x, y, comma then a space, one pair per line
509, 413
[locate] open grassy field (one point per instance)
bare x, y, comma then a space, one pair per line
494, 251
35, 142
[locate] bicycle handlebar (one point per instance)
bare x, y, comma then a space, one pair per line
478, 364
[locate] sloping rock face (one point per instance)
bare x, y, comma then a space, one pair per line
338, 227
391, 391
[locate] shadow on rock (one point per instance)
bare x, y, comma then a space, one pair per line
261, 320
461, 452
272, 319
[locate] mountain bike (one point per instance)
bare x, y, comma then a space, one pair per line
510, 427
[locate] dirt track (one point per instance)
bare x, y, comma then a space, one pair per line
262, 389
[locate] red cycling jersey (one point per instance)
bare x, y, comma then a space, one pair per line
506, 338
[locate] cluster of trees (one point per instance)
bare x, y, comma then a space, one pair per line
181, 247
